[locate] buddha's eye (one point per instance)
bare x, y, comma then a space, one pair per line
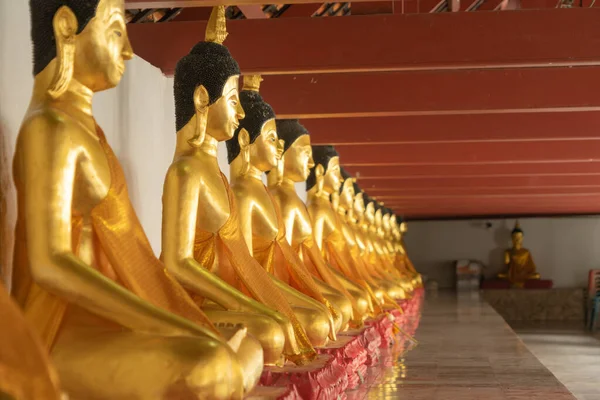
118, 33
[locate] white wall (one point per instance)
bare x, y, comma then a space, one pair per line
564, 249
138, 117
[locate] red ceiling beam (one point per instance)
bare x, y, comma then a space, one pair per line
396, 174
436, 193
403, 42
252, 11
379, 94
301, 10
395, 187
473, 154
455, 128
490, 5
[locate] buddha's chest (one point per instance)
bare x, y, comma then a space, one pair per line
213, 205
92, 176
265, 223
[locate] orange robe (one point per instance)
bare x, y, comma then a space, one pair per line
237, 267
25, 369
123, 253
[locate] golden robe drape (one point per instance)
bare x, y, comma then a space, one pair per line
237, 267
123, 253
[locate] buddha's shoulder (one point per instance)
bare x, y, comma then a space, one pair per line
185, 166
50, 127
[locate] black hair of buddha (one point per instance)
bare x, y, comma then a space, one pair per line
290, 130
42, 32
357, 188
321, 155
258, 112
208, 64
517, 230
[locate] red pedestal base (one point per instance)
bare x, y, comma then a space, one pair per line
323, 379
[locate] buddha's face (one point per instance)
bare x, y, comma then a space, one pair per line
359, 204
517, 239
385, 223
347, 194
263, 152
102, 48
333, 176
224, 114
298, 159
378, 218
403, 227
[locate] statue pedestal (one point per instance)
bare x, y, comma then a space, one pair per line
560, 304
323, 379
289, 392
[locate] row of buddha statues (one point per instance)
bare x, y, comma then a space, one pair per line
249, 275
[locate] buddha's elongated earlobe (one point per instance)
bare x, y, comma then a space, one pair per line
320, 178
244, 141
201, 107
65, 27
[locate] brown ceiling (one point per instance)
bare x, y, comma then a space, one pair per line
441, 108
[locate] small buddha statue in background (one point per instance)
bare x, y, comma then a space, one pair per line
116, 324
294, 166
403, 263
202, 236
252, 152
518, 261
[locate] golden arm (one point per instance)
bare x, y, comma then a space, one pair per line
49, 173
180, 212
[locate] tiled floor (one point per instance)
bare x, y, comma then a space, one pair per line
466, 352
572, 354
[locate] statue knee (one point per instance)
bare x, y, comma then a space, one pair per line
250, 356
216, 372
344, 308
316, 324
362, 303
270, 334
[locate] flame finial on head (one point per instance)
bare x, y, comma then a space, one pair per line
252, 82
216, 30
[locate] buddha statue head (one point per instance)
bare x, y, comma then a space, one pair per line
325, 176
395, 227
386, 222
346, 191
255, 142
517, 236
207, 100
369, 210
81, 41
297, 151
359, 203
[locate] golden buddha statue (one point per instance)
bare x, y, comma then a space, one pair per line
202, 237
251, 152
384, 285
323, 181
116, 324
25, 369
294, 166
518, 261
402, 261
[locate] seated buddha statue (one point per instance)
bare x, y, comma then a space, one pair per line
25, 369
116, 324
202, 244
324, 180
406, 279
202, 234
375, 274
251, 152
518, 261
402, 261
294, 166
